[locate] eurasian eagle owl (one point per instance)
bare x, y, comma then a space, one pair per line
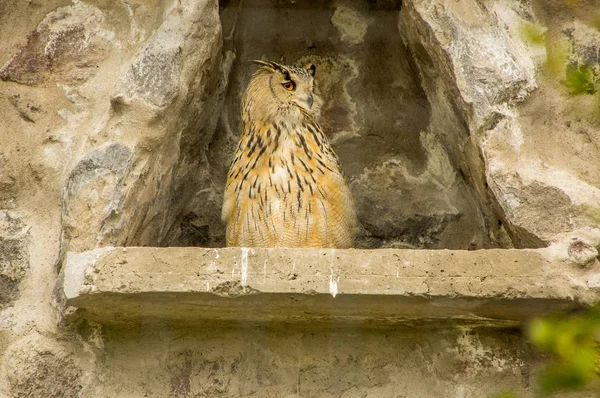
285, 187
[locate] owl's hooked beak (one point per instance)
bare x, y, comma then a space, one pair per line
305, 103
309, 100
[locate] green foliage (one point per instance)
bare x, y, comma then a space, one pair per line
572, 341
533, 33
580, 79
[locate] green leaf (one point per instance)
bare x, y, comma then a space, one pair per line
561, 377
572, 341
580, 79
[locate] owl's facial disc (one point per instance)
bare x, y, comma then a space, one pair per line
297, 90
293, 86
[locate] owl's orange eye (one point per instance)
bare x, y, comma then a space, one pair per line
289, 85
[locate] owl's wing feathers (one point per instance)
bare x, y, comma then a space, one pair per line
302, 197
334, 217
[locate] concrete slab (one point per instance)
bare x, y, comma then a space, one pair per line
369, 287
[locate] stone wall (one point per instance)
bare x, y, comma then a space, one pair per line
462, 125
266, 361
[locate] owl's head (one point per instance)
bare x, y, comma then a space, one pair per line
284, 88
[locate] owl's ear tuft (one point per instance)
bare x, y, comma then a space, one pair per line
312, 69
271, 66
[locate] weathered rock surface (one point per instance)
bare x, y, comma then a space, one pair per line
14, 255
479, 61
156, 161
389, 287
267, 361
312, 306
106, 111
461, 125
40, 366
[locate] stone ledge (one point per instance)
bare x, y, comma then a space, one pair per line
371, 287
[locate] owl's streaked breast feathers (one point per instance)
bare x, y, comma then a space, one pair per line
285, 187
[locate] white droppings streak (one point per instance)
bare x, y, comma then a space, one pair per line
207, 286
265, 272
216, 253
333, 287
244, 265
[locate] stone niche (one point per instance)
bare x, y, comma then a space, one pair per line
409, 191
430, 106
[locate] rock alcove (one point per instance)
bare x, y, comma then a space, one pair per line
409, 191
